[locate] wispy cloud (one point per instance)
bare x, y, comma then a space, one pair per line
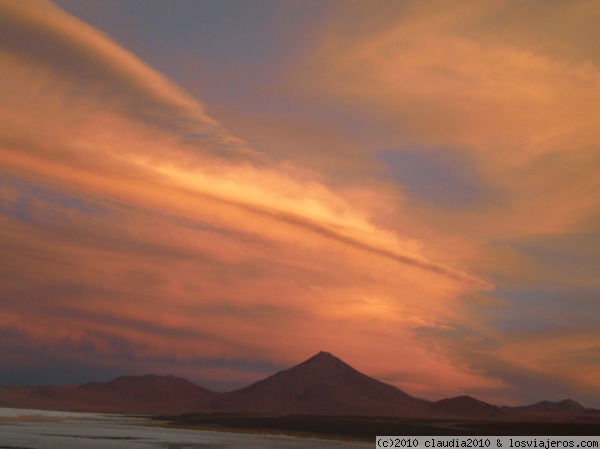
442, 234
528, 118
134, 225
471, 82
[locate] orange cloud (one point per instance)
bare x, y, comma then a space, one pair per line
440, 80
136, 225
515, 88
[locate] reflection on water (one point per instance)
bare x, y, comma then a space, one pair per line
35, 429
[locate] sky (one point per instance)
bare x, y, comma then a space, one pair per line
220, 189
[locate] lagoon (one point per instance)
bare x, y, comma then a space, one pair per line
35, 429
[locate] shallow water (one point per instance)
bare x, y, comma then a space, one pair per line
34, 429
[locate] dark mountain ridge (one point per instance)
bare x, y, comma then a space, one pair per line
149, 388
564, 406
465, 406
128, 394
322, 385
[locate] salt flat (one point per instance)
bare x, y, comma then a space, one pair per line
35, 429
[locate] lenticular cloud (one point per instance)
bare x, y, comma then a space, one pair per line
139, 229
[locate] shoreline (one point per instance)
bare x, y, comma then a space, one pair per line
365, 429
257, 431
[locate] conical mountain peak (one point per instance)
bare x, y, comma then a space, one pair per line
322, 384
324, 358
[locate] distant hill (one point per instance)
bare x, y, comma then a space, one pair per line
564, 406
465, 407
149, 388
321, 385
130, 394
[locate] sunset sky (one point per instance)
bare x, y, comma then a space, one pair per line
220, 189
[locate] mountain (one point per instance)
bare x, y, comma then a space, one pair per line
322, 385
128, 394
149, 388
564, 406
465, 407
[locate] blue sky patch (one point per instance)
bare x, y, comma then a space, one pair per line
443, 177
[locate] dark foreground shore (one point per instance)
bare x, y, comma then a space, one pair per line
368, 428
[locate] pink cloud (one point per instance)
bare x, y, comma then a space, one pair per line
192, 245
185, 250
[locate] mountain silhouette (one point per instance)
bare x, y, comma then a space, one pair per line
321, 385
564, 406
465, 406
148, 388
129, 394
